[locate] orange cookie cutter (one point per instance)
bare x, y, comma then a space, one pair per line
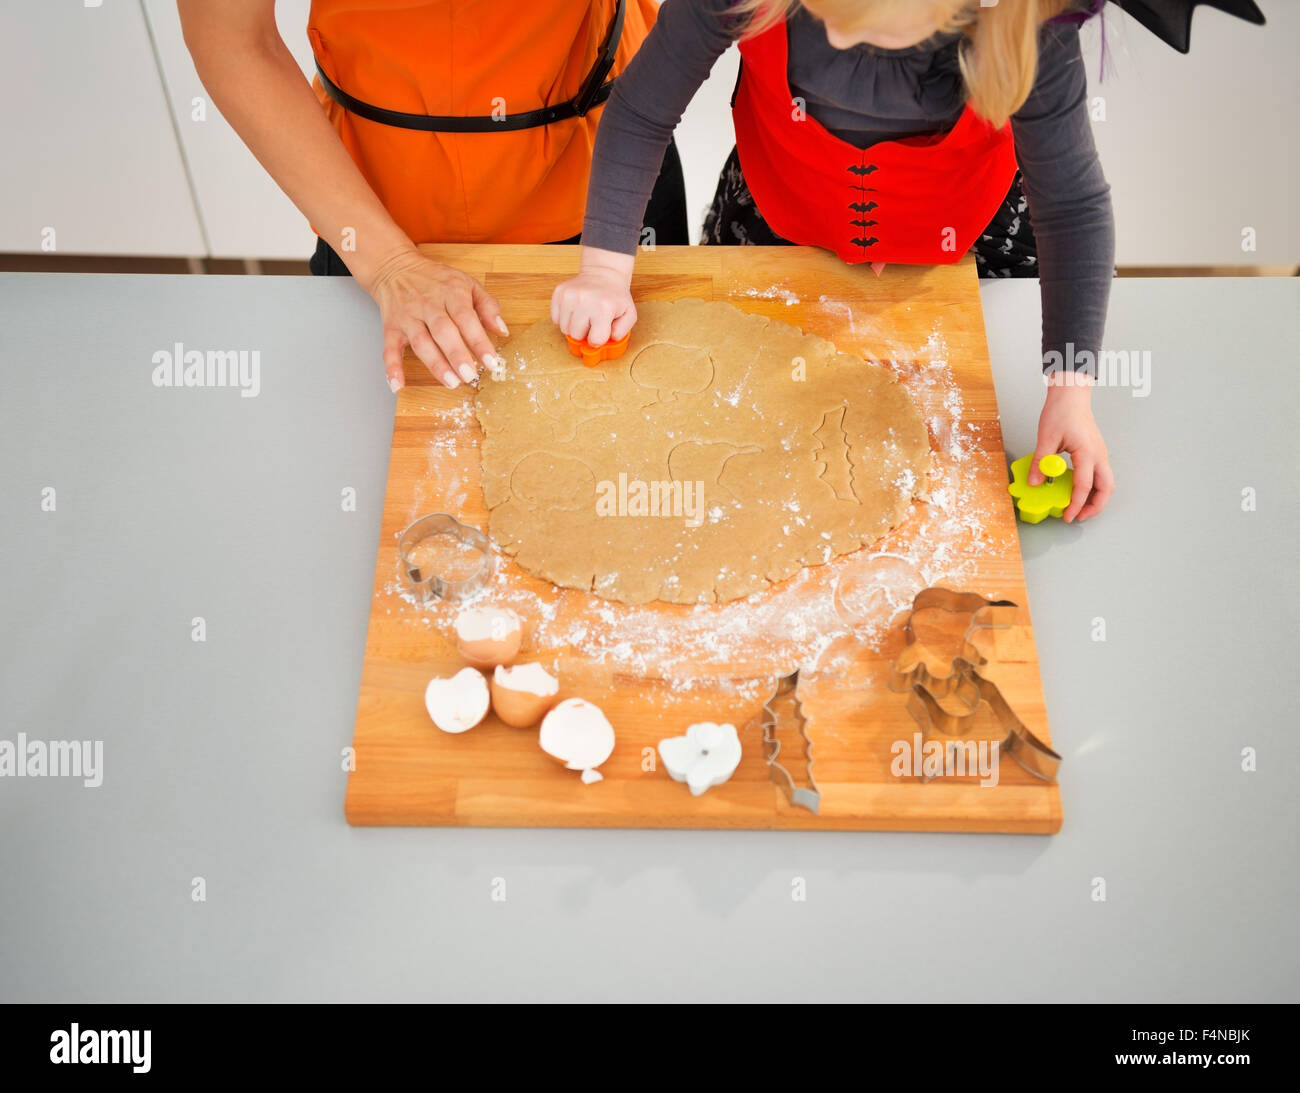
592, 355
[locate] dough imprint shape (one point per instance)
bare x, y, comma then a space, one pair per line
720, 454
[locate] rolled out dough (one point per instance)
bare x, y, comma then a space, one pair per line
721, 453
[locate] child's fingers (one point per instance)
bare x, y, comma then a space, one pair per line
1083, 472
598, 332
1103, 485
563, 304
577, 322
624, 322
424, 347
1046, 445
394, 347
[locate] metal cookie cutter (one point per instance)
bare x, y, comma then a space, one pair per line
428, 585
963, 681
784, 708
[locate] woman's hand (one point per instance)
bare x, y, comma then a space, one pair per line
441, 313
597, 304
1067, 425
255, 81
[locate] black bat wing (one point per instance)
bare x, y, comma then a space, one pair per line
1171, 20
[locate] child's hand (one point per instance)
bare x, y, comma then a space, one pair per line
1066, 425
440, 312
597, 304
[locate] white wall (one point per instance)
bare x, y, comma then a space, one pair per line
244, 213
101, 142
88, 146
1199, 147
705, 137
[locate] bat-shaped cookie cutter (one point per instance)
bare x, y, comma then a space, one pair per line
782, 709
963, 681
428, 585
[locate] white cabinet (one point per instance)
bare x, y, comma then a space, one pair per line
244, 213
103, 147
1200, 148
705, 136
90, 163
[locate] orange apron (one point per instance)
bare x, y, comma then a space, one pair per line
470, 58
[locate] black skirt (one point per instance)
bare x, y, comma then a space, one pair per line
1006, 248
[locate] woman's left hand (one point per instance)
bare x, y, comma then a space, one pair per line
1067, 425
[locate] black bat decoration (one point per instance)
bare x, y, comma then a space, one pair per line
1171, 20
865, 242
868, 169
864, 223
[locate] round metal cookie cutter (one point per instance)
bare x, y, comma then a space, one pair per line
428, 585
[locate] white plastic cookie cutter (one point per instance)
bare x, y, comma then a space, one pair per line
705, 757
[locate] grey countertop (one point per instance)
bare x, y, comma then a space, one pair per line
222, 758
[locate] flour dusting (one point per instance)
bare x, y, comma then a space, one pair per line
790, 625
775, 292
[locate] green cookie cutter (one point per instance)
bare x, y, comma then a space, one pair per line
1052, 498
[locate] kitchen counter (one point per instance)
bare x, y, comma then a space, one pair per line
223, 758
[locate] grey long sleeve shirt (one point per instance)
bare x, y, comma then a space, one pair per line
864, 95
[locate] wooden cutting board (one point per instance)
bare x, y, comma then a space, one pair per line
655, 669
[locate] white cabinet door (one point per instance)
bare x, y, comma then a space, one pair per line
244, 213
705, 136
1201, 149
90, 162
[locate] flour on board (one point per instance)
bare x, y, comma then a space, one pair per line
775, 292
942, 539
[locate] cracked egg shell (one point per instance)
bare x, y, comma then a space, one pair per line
459, 703
522, 694
488, 636
577, 734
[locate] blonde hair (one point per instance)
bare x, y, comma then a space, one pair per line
999, 57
